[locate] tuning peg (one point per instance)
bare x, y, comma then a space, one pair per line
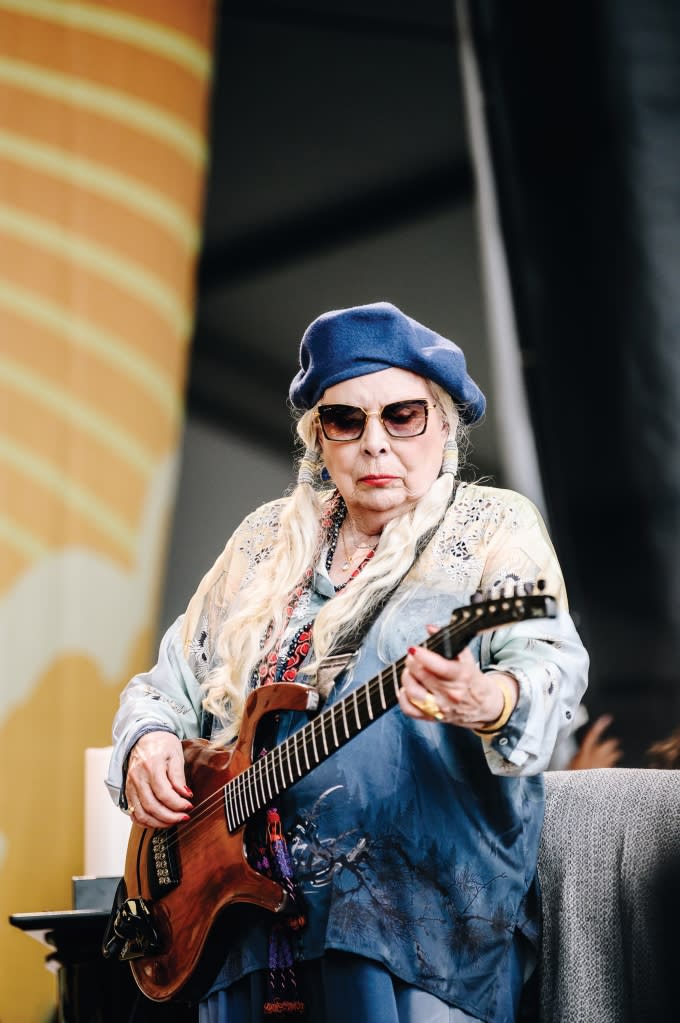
528, 588
477, 597
540, 585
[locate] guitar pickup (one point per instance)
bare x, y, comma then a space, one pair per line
163, 862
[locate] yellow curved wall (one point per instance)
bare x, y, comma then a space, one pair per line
103, 114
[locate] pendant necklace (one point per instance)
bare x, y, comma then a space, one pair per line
358, 548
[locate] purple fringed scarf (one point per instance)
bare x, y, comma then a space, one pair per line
269, 855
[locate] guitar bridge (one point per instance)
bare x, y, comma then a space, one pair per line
134, 927
163, 862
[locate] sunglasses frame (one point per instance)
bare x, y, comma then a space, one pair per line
423, 402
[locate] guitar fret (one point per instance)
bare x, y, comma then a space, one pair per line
335, 734
395, 679
303, 734
297, 758
369, 703
322, 727
290, 766
383, 702
229, 808
240, 802
243, 795
234, 802
282, 773
261, 773
267, 776
252, 787
344, 719
316, 752
246, 794
244, 790
356, 710
271, 771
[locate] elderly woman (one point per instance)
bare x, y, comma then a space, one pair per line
410, 852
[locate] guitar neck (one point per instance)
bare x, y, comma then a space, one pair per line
306, 748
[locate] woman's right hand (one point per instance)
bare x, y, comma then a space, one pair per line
155, 787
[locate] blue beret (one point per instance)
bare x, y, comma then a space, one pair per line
349, 343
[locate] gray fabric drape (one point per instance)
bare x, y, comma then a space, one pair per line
609, 868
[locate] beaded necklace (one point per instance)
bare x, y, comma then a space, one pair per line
340, 513
274, 667
284, 667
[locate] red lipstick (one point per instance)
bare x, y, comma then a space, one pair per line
377, 481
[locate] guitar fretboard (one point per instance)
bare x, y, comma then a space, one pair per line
292, 759
256, 788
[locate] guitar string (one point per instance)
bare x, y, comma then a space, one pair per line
267, 765
242, 785
315, 730
295, 743
213, 803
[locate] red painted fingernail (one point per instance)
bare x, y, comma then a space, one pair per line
186, 817
411, 649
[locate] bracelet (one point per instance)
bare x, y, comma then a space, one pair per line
504, 716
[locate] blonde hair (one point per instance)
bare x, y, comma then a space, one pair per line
254, 629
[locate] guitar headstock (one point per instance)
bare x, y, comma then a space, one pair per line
493, 609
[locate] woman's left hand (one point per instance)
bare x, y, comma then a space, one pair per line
454, 691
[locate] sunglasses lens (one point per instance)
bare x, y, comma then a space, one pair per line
405, 418
342, 422
400, 419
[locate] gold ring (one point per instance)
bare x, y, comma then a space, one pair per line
430, 707
130, 810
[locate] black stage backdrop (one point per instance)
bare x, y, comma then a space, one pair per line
583, 114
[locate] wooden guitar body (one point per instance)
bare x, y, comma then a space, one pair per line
204, 857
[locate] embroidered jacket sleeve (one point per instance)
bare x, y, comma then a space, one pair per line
546, 656
169, 697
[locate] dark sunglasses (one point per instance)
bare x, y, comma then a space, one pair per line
400, 419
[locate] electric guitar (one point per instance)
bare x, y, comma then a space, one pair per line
170, 920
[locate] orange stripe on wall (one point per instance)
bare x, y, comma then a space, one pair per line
98, 219
59, 524
193, 18
113, 144
87, 377
97, 300
82, 457
105, 61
